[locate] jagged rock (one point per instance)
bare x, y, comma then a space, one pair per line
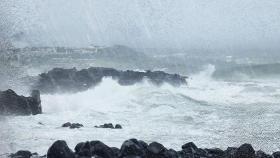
72, 80
72, 125
276, 154
13, 104
230, 152
215, 152
60, 149
21, 154
261, 154
133, 148
189, 145
245, 151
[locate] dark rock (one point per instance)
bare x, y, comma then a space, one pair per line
60, 149
21, 154
72, 80
11, 103
276, 154
96, 149
172, 154
261, 154
229, 153
118, 126
100, 149
245, 151
116, 151
189, 150
72, 125
76, 125
215, 152
189, 145
67, 124
156, 149
83, 149
133, 148
109, 125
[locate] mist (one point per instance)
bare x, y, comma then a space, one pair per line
235, 25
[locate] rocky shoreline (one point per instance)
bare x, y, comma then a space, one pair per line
14, 104
134, 148
59, 80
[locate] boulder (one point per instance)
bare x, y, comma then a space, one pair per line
245, 151
118, 126
59, 149
21, 154
133, 148
95, 149
261, 154
276, 154
13, 104
157, 150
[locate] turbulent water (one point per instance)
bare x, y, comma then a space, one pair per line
212, 113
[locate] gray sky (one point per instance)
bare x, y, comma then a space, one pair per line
198, 24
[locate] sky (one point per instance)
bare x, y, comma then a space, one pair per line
189, 24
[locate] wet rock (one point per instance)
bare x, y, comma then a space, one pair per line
189, 145
72, 80
261, 154
189, 150
95, 149
13, 104
100, 149
245, 151
72, 125
116, 151
60, 149
67, 124
133, 148
276, 154
215, 152
76, 125
229, 153
118, 126
21, 154
156, 149
109, 125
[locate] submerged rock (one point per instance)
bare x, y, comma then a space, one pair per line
72, 80
13, 104
109, 125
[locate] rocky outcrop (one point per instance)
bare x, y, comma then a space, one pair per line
72, 125
134, 148
72, 80
109, 125
13, 104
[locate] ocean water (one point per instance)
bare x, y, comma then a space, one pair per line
207, 111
